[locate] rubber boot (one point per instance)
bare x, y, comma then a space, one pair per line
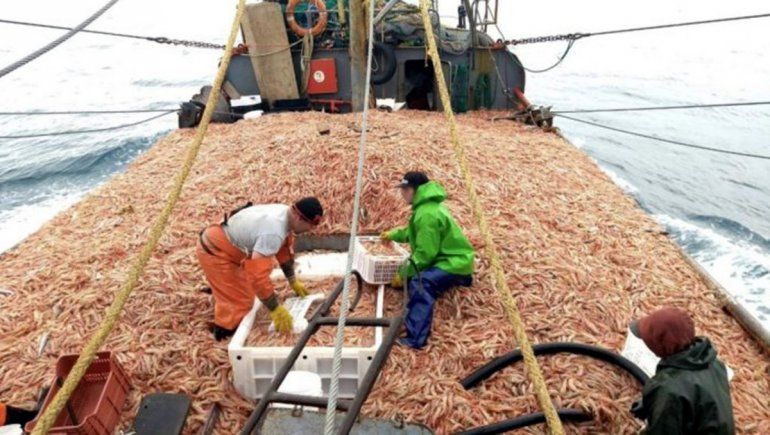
220, 333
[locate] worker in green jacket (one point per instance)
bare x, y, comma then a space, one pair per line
442, 257
690, 392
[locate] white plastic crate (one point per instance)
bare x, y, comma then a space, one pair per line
377, 269
255, 367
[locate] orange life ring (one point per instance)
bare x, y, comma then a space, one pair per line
319, 27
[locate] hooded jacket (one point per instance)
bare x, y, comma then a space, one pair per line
433, 235
689, 394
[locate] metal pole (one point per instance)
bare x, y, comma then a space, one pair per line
341, 11
385, 9
357, 52
472, 26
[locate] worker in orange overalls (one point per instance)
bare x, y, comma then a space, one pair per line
12, 415
237, 258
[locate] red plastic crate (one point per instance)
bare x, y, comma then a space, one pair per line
97, 400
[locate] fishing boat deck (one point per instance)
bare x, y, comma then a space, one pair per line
582, 259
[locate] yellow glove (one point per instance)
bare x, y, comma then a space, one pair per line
396, 282
385, 236
298, 287
282, 319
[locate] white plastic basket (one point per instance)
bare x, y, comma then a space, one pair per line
377, 269
254, 367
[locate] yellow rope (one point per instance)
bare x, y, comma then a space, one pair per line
533, 369
113, 312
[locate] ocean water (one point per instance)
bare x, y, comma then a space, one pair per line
715, 206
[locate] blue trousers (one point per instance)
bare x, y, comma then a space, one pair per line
432, 283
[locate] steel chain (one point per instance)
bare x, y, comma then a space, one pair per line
549, 38
186, 43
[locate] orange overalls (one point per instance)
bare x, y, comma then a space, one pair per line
235, 279
2, 414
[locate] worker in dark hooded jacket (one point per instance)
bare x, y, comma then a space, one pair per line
442, 256
689, 393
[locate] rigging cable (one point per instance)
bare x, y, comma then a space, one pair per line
339, 339
158, 39
670, 141
573, 37
649, 108
84, 112
94, 130
578, 35
53, 44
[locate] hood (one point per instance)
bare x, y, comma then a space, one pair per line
697, 356
428, 192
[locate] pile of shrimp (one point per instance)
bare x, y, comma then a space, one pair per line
581, 258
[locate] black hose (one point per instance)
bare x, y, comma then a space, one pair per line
501, 362
323, 309
359, 289
565, 414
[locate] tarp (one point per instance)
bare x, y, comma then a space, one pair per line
403, 25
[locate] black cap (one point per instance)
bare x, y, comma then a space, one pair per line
309, 209
413, 179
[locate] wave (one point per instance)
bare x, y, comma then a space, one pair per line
735, 230
19, 222
621, 182
35, 193
742, 267
98, 158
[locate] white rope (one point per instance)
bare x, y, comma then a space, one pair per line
331, 406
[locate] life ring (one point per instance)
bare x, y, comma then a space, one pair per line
319, 27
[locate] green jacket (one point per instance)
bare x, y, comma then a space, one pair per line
434, 236
689, 394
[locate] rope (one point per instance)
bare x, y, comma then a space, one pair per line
533, 369
331, 406
305, 57
270, 53
94, 130
576, 36
53, 44
113, 312
685, 106
674, 142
